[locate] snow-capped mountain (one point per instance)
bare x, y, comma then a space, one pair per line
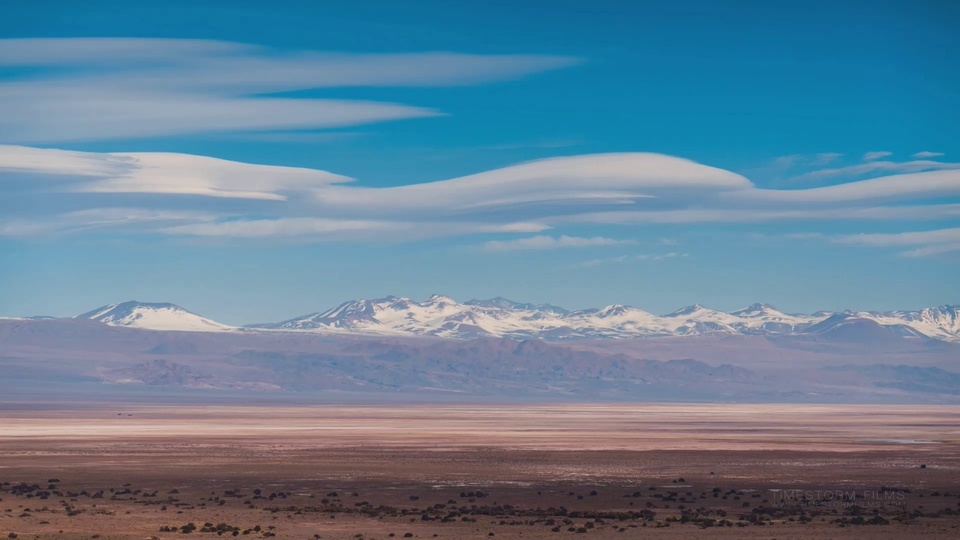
501, 302
159, 316
941, 322
442, 316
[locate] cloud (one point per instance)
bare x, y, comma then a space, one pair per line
930, 251
783, 163
661, 256
870, 156
934, 242
323, 229
77, 89
71, 114
918, 185
825, 158
780, 168
162, 173
883, 167
106, 51
96, 219
543, 242
294, 136
901, 239
560, 183
593, 263
926, 154
69, 191
756, 215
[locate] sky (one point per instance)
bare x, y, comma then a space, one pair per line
254, 164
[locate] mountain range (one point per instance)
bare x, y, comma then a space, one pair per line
441, 316
441, 350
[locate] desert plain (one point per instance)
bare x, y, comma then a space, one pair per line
109, 470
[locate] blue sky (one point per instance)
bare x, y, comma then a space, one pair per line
579, 153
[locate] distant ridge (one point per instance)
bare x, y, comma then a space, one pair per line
153, 316
441, 316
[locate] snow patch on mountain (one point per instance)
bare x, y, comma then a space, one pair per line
498, 317
153, 316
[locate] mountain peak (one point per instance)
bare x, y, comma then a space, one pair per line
499, 317
756, 309
500, 302
689, 310
152, 316
440, 299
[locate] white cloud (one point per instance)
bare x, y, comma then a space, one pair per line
19, 227
912, 186
902, 239
100, 51
72, 114
804, 236
929, 251
600, 179
242, 200
103, 88
126, 219
927, 154
755, 215
870, 156
933, 242
783, 163
593, 263
162, 173
882, 167
42, 161
825, 158
549, 242
323, 229
661, 256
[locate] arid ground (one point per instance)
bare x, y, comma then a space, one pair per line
478, 471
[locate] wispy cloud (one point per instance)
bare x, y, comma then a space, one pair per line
661, 256
333, 230
160, 173
259, 201
934, 178
108, 88
901, 239
870, 156
99, 219
748, 214
934, 242
875, 167
803, 236
927, 154
824, 158
780, 168
284, 137
929, 251
592, 263
543, 242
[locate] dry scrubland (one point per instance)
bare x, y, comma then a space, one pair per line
621, 471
